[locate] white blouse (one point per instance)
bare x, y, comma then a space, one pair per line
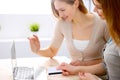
80, 44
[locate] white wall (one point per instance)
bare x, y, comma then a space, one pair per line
15, 21
22, 48
31, 6
25, 7
17, 25
89, 5
5, 46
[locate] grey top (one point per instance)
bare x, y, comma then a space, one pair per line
112, 60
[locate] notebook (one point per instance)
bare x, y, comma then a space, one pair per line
24, 72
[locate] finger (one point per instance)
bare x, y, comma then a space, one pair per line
81, 73
74, 64
35, 36
82, 76
28, 38
71, 63
65, 73
62, 66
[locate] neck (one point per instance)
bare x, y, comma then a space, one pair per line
81, 18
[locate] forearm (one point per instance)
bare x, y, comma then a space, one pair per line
97, 69
86, 63
92, 62
48, 52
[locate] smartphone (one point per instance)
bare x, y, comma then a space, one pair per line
53, 71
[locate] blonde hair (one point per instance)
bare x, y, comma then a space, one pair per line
81, 7
112, 15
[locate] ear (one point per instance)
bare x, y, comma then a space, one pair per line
76, 3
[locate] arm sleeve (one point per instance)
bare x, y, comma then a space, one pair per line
58, 36
106, 33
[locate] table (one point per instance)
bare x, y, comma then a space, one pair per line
6, 67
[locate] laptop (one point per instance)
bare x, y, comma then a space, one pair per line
24, 72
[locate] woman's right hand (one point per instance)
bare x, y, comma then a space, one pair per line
34, 43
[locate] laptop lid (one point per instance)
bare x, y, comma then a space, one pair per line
39, 72
13, 55
19, 71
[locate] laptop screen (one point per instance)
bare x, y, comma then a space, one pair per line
25, 72
19, 72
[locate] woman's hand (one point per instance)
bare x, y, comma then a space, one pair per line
67, 69
87, 76
34, 44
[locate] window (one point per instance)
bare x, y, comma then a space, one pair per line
25, 7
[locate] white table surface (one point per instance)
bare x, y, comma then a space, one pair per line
6, 65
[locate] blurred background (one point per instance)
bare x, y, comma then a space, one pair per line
15, 19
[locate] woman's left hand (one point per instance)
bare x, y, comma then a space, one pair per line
67, 69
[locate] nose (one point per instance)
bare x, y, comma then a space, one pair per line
60, 15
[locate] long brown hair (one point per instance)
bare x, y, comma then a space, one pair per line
81, 7
112, 15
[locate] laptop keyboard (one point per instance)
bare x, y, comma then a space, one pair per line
23, 73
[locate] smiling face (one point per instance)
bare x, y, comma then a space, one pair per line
98, 9
65, 11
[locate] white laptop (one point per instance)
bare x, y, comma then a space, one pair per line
25, 72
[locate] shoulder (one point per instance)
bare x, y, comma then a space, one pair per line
117, 48
63, 25
98, 22
112, 47
98, 19
100, 27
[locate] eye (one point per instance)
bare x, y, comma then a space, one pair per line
62, 10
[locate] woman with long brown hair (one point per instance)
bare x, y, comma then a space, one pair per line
110, 9
84, 32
